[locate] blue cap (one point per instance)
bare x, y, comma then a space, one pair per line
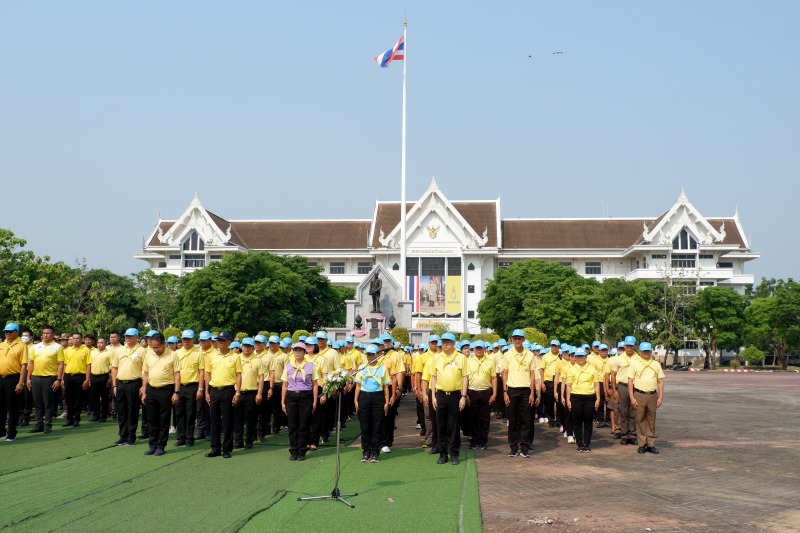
11, 326
506, 348
214, 338
187, 334
248, 341
613, 351
564, 347
349, 339
595, 343
459, 344
151, 333
502, 342
322, 335
554, 342
645, 347
525, 344
572, 350
580, 352
603, 347
336, 345
386, 337
311, 340
620, 344
287, 339
585, 346
517, 333
537, 347
235, 344
260, 338
274, 338
630, 340
131, 332
172, 339
448, 337
421, 346
205, 336
371, 349
479, 344
286, 342
434, 338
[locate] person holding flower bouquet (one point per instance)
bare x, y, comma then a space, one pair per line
299, 399
372, 404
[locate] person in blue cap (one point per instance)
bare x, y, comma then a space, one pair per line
223, 381
499, 364
646, 390
206, 341
13, 373
626, 414
126, 378
583, 398
191, 391
421, 381
277, 364
251, 394
521, 394
372, 404
549, 362
450, 381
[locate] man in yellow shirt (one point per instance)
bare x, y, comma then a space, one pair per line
583, 398
265, 407
499, 363
223, 383
482, 391
521, 394
549, 362
77, 373
277, 364
423, 392
600, 361
193, 376
646, 390
161, 384
45, 375
620, 371
101, 375
207, 348
126, 379
13, 371
251, 396
450, 382
395, 365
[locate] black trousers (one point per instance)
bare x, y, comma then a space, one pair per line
100, 396
519, 418
73, 393
371, 418
26, 405
501, 405
329, 416
602, 410
278, 416
479, 414
265, 412
298, 413
186, 412
388, 424
245, 418
582, 415
449, 438
420, 414
316, 423
9, 404
222, 418
158, 404
44, 399
549, 402
127, 403
203, 419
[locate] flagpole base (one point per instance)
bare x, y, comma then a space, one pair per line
336, 494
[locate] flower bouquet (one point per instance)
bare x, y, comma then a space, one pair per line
336, 381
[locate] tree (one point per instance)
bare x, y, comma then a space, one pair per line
720, 313
772, 323
627, 308
534, 336
673, 309
157, 298
751, 354
400, 334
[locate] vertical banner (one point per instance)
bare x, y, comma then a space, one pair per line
453, 295
431, 294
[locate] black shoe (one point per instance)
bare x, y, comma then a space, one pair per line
365, 457
238, 446
119, 442
433, 451
587, 449
159, 451
190, 442
68, 424
226, 455
76, 424
617, 436
523, 454
36, 430
454, 460
150, 451
642, 449
293, 457
143, 436
652, 449
23, 424
48, 429
633, 441
213, 454
625, 441
248, 446
261, 439
442, 460
301, 457
180, 442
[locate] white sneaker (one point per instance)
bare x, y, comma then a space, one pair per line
386, 449
418, 426
506, 423
565, 433
63, 415
546, 420
561, 428
571, 440
173, 430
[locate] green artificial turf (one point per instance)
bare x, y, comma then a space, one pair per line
75, 480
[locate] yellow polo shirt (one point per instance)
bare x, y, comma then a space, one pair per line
45, 358
346, 362
393, 361
277, 365
449, 369
161, 369
101, 361
645, 374
252, 368
420, 362
621, 366
481, 372
12, 357
519, 366
583, 378
499, 361
332, 356
223, 368
128, 362
76, 359
549, 361
322, 365
192, 362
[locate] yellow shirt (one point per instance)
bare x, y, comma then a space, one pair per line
322, 365
448, 370
645, 374
481, 372
346, 361
621, 365
499, 361
519, 366
223, 368
101, 361
12, 357
76, 359
192, 362
128, 362
393, 361
277, 364
332, 356
252, 368
549, 362
583, 378
420, 362
161, 369
45, 358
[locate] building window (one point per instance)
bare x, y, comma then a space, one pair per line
566, 263
162, 264
364, 267
432, 266
412, 266
194, 243
724, 265
395, 267
175, 257
644, 263
659, 256
470, 267
470, 314
471, 289
337, 267
215, 257
689, 286
683, 260
504, 264
684, 241
706, 283
706, 256
453, 266
312, 264
689, 345
194, 261
594, 267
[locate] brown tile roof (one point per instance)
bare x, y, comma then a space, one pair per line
732, 235
304, 234
164, 225
480, 215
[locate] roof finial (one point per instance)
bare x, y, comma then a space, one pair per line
683, 199
433, 186
736, 213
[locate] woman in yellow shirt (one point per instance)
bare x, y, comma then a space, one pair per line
583, 398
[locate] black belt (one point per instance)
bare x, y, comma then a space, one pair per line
299, 391
128, 380
644, 392
248, 391
162, 388
189, 384
371, 392
76, 374
449, 392
8, 375
226, 387
103, 374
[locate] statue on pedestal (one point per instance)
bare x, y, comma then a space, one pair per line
375, 291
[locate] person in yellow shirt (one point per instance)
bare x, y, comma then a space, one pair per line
423, 393
77, 374
499, 362
265, 407
161, 384
646, 390
521, 394
482, 391
329, 407
45, 375
549, 362
251, 397
193, 376
583, 398
278, 363
101, 375
321, 363
450, 381
207, 349
223, 383
13, 371
126, 380
394, 362
620, 371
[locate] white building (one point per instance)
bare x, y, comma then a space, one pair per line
454, 247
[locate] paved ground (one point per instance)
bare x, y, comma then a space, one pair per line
730, 450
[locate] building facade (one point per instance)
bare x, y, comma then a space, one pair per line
455, 247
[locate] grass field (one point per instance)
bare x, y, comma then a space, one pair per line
75, 480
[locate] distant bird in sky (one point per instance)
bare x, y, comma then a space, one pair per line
554, 53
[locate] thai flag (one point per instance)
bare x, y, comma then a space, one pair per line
393, 54
412, 282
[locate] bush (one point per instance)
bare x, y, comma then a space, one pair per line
285, 334
400, 334
751, 354
241, 335
296, 335
535, 336
439, 328
170, 331
464, 337
735, 363
265, 333
487, 337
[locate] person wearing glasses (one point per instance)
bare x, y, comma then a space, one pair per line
299, 399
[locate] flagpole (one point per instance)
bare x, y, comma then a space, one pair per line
403, 173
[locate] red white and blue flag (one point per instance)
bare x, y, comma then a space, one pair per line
393, 54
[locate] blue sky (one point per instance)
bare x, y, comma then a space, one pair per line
114, 112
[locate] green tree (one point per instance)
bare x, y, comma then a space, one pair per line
627, 308
535, 336
400, 334
673, 307
299, 333
772, 323
751, 354
157, 298
720, 313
